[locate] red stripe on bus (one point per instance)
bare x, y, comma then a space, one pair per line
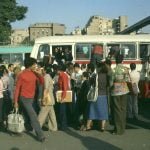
129, 62
113, 61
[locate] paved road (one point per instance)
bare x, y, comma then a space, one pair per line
137, 137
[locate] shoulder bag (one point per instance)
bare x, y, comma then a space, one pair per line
93, 92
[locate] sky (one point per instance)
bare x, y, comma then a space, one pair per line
74, 13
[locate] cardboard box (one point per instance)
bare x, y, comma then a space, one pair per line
67, 99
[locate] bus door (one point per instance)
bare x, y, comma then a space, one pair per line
144, 50
144, 84
43, 53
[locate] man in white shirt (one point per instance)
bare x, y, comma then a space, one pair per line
132, 110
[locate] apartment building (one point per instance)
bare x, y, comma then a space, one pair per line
45, 29
98, 25
18, 36
120, 23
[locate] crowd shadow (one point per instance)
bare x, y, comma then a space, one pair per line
144, 108
137, 124
144, 116
92, 143
15, 148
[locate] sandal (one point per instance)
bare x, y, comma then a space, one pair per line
102, 129
87, 129
82, 128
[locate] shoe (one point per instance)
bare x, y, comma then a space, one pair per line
63, 129
115, 133
87, 129
136, 118
82, 128
45, 128
42, 139
102, 129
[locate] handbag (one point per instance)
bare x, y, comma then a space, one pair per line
15, 122
93, 92
67, 99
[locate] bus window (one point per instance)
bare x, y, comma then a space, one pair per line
16, 58
44, 50
144, 50
128, 51
5, 58
112, 50
60, 49
83, 51
60, 52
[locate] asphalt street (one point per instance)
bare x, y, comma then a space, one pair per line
137, 137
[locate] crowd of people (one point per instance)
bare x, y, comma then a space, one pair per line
26, 89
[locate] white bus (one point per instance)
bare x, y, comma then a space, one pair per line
133, 47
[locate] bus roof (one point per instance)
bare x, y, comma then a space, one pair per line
93, 38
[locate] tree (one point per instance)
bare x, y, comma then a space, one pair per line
9, 12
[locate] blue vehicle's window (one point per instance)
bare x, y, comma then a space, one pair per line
17, 58
4, 58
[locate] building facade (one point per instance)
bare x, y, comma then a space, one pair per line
18, 36
98, 25
120, 23
77, 31
45, 29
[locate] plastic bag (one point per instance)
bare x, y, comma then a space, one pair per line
15, 122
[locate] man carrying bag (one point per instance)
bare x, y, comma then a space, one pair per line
25, 92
